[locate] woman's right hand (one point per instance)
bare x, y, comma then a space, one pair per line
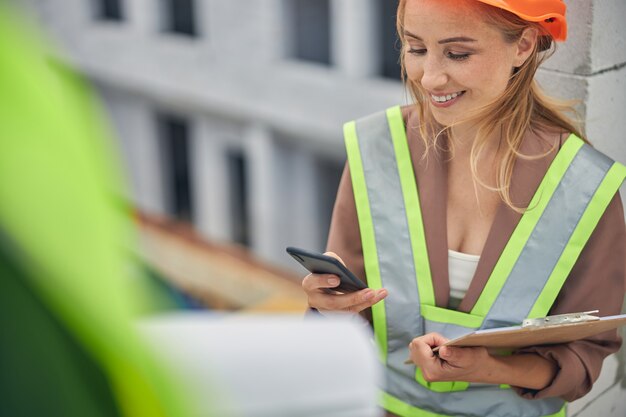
316, 287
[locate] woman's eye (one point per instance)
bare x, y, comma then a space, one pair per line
417, 51
457, 57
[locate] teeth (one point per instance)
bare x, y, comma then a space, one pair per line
443, 99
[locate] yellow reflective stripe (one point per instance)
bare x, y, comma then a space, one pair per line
412, 206
436, 387
527, 223
402, 409
443, 386
370, 254
443, 315
588, 222
560, 413
399, 407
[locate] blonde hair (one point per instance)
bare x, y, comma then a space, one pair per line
522, 106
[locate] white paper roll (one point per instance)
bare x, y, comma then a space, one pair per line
271, 365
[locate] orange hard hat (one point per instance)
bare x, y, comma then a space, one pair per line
549, 13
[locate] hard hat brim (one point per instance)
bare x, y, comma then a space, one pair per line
554, 23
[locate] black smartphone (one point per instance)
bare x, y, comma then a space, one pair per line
319, 263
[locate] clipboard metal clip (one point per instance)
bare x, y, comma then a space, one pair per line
561, 319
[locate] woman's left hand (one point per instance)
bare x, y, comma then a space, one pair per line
449, 363
475, 364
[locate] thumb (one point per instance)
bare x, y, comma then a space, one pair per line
451, 355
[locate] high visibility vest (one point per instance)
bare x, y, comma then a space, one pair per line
526, 280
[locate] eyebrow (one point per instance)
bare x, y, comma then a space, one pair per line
443, 41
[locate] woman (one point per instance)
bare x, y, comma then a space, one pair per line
476, 207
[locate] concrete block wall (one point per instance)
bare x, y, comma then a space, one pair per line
591, 67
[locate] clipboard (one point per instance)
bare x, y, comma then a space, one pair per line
549, 330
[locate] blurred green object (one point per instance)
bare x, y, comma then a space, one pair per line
68, 291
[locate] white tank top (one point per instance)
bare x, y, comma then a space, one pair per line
461, 268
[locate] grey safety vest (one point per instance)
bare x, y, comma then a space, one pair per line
527, 278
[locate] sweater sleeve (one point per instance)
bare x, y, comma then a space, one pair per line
596, 282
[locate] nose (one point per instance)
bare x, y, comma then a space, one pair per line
434, 76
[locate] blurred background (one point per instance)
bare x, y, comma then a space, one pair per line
228, 115
229, 118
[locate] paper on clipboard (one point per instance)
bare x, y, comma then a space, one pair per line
546, 331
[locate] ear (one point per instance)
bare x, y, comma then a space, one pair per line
525, 46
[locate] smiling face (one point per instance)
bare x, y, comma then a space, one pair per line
458, 61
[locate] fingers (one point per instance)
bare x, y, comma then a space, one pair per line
421, 348
451, 363
315, 286
334, 255
432, 339
426, 343
450, 354
315, 282
462, 357
375, 298
352, 302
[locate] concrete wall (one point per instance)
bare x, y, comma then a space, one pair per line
591, 66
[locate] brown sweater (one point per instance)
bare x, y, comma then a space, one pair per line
596, 281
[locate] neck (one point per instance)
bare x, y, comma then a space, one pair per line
464, 136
